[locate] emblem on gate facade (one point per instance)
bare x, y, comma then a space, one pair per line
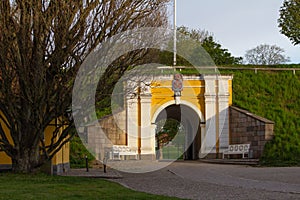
177, 84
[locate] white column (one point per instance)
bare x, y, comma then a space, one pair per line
147, 134
210, 114
223, 123
224, 112
203, 134
132, 123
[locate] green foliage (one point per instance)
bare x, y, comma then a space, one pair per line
101, 112
171, 138
289, 21
78, 153
219, 55
275, 96
166, 58
167, 130
19, 186
208, 50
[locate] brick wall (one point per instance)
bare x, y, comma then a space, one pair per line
246, 128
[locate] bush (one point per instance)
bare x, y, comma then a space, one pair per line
78, 152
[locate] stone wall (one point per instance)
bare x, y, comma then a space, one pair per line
247, 128
114, 126
106, 132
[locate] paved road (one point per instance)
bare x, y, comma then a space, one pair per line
195, 180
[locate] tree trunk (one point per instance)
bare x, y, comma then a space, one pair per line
25, 161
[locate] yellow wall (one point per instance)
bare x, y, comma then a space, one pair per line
4, 158
61, 157
193, 92
230, 92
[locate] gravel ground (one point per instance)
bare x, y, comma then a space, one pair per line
194, 180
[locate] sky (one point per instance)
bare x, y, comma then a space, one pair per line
238, 25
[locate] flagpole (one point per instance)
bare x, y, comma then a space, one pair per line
175, 35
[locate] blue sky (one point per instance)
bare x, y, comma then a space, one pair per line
238, 25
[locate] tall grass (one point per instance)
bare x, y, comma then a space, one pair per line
275, 96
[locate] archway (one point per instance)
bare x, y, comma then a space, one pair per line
189, 119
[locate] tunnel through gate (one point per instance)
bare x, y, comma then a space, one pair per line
178, 133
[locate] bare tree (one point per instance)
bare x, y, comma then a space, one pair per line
265, 54
42, 45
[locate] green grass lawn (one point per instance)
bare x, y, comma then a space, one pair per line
20, 186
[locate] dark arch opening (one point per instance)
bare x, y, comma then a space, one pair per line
190, 120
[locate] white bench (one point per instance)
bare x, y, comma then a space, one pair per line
122, 150
237, 149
